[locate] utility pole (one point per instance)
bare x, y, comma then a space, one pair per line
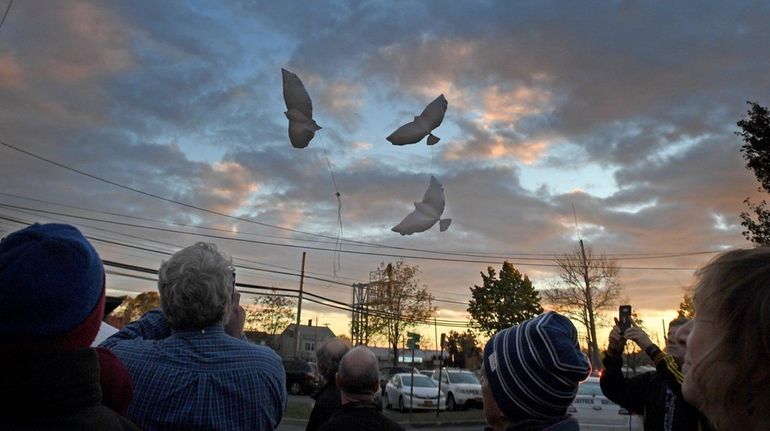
299, 305
593, 348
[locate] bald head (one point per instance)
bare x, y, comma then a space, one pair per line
358, 374
329, 356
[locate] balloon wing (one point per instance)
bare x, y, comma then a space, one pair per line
426, 213
409, 133
294, 94
299, 110
433, 114
430, 118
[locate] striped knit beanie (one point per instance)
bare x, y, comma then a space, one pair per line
534, 369
51, 289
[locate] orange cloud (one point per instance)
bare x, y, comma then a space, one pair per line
229, 184
527, 152
103, 44
11, 73
509, 107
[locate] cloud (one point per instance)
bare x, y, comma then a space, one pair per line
184, 101
11, 73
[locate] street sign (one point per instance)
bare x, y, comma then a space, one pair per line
413, 336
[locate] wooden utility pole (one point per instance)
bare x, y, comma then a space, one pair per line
299, 305
593, 347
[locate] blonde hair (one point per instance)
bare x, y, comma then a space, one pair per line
735, 286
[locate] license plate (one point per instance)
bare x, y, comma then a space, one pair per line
428, 403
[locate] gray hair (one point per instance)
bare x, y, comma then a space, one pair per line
329, 355
358, 371
196, 287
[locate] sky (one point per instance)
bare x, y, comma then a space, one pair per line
619, 115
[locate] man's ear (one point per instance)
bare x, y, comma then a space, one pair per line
376, 386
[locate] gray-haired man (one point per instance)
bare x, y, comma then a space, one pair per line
190, 367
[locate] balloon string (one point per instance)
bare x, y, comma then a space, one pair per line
336, 260
432, 153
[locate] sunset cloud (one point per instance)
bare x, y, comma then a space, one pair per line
625, 117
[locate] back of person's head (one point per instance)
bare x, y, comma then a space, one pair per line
732, 377
51, 289
329, 355
196, 287
533, 370
358, 373
677, 322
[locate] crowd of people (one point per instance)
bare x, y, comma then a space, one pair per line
187, 365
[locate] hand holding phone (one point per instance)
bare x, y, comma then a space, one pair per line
624, 318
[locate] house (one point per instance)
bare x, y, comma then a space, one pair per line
310, 337
258, 337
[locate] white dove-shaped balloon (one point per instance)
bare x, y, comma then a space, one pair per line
430, 118
299, 110
427, 212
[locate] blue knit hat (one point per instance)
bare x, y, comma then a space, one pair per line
534, 369
51, 288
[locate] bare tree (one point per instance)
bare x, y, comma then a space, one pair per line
588, 288
401, 303
275, 313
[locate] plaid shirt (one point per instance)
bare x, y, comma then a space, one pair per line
202, 380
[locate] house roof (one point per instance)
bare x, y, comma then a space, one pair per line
310, 331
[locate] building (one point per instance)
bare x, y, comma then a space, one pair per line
310, 337
423, 359
258, 337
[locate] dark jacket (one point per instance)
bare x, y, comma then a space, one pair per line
55, 391
656, 394
567, 423
363, 416
327, 401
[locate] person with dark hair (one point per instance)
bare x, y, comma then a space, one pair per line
727, 364
655, 394
531, 375
358, 381
327, 399
52, 297
192, 368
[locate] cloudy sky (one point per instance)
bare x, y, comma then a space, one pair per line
625, 110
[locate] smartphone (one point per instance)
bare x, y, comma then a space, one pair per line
624, 318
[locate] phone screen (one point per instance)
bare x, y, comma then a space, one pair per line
624, 317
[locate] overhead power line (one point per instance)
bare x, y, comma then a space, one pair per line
354, 252
168, 253
257, 289
5, 15
219, 213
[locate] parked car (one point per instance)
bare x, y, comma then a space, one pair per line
399, 390
386, 373
461, 387
302, 377
595, 412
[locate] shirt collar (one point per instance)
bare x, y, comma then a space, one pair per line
213, 330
